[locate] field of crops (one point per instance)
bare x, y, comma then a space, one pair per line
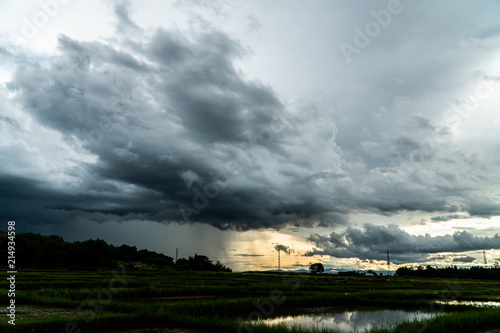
125, 301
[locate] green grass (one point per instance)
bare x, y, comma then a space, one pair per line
469, 321
218, 302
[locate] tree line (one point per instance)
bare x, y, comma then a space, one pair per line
475, 272
39, 251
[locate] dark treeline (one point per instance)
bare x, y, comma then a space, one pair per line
475, 272
38, 251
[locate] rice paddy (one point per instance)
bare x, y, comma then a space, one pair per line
183, 301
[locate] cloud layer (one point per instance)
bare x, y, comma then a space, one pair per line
162, 125
372, 243
174, 132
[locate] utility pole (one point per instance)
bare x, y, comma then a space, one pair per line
176, 253
388, 262
279, 265
484, 256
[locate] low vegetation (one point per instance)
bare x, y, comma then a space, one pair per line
103, 301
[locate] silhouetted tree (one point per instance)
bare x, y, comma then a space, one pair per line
317, 268
201, 263
475, 272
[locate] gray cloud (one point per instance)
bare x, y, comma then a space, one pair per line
299, 265
283, 248
373, 241
122, 13
444, 218
169, 129
177, 106
465, 259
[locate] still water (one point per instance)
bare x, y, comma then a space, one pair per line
349, 321
473, 303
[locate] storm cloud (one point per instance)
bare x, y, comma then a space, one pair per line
372, 242
176, 134
164, 125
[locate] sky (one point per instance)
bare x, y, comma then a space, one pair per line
335, 130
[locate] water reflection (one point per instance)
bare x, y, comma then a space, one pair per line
473, 303
349, 321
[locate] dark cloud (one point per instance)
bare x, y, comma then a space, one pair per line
248, 255
169, 129
283, 248
444, 218
373, 241
157, 110
466, 259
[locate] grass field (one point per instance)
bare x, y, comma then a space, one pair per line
75, 301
